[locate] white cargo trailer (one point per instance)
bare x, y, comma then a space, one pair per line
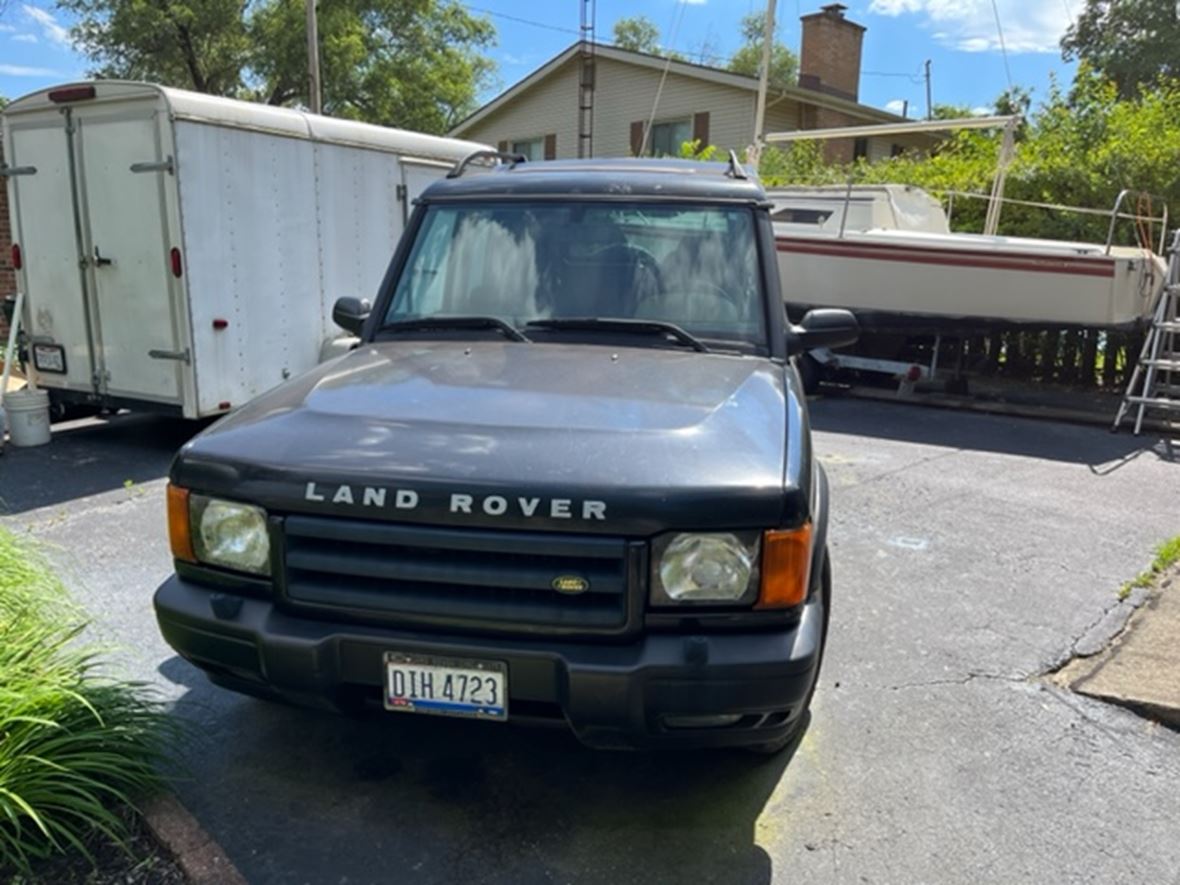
182, 252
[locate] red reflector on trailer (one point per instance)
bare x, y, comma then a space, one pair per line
71, 93
177, 265
223, 405
16, 256
219, 323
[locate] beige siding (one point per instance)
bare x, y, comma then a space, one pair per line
624, 94
550, 106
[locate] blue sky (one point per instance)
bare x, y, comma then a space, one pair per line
960, 37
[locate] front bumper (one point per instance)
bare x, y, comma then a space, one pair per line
610, 695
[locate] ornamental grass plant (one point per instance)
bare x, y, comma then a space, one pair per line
78, 748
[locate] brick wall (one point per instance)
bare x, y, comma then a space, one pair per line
829, 56
7, 275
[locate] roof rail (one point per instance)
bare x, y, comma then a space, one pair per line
735, 168
459, 168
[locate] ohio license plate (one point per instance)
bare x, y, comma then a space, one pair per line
49, 357
444, 686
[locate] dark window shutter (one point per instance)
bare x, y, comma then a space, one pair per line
700, 128
551, 146
636, 137
502, 147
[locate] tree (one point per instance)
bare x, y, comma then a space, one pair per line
194, 44
638, 34
1132, 42
414, 64
784, 66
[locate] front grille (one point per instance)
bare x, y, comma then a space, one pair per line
460, 578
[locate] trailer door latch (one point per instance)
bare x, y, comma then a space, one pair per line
155, 166
178, 355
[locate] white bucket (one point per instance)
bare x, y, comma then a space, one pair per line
28, 417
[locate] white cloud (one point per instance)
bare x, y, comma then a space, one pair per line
896, 106
694, 2
23, 71
970, 25
981, 111
53, 31
25, 38
6, 29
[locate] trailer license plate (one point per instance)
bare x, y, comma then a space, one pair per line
49, 357
446, 686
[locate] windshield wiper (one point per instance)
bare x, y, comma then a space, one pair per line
642, 327
457, 322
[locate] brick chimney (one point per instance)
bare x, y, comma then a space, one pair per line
830, 55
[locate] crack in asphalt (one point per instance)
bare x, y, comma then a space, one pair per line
963, 680
896, 470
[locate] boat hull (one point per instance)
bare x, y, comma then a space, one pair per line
966, 283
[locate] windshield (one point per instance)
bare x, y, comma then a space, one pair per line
692, 266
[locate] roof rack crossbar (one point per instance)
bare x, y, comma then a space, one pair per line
735, 168
461, 167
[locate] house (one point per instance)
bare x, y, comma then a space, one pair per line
539, 116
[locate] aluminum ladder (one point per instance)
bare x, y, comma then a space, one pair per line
1155, 382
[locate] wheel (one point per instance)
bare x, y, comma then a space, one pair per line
770, 748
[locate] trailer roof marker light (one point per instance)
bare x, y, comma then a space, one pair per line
177, 264
71, 93
220, 323
16, 256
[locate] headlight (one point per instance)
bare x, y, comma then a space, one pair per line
229, 534
692, 567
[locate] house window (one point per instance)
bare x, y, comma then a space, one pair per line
666, 138
860, 148
531, 149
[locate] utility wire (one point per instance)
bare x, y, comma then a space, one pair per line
1003, 48
524, 21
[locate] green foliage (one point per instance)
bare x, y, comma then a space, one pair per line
1078, 149
74, 745
693, 150
638, 34
416, 64
1167, 554
784, 65
1131, 42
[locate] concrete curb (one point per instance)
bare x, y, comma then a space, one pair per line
1138, 667
200, 858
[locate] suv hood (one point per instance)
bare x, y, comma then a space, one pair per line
576, 438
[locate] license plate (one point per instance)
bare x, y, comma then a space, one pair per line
49, 357
446, 686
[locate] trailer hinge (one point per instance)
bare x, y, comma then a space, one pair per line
155, 166
178, 355
11, 171
402, 193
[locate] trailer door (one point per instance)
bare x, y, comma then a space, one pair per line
45, 226
126, 237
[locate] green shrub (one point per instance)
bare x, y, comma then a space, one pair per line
75, 745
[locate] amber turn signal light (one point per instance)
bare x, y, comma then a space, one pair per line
179, 534
786, 567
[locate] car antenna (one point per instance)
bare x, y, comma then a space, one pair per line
511, 159
735, 168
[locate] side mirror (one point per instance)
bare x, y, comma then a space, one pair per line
350, 314
828, 327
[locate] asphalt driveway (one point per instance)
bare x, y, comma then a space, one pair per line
969, 552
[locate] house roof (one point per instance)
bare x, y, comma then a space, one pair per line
683, 69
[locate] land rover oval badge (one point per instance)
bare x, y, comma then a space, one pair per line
571, 584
